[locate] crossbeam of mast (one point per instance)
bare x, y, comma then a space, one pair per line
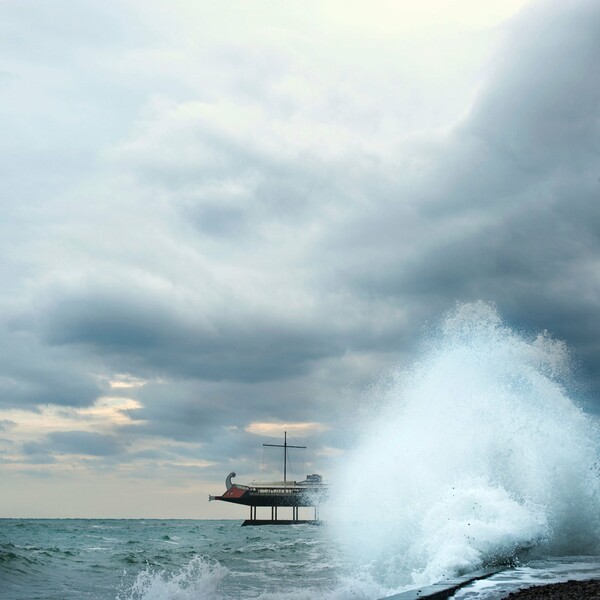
285, 446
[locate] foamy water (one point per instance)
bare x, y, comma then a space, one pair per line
477, 456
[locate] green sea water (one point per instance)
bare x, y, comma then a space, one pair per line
162, 560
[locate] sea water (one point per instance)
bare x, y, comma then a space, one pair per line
212, 560
162, 560
475, 455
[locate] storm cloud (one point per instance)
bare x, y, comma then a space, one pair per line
198, 237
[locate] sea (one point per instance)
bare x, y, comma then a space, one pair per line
480, 454
88, 559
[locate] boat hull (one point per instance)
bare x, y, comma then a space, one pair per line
290, 496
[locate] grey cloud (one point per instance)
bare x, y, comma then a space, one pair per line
214, 417
503, 206
507, 208
38, 453
76, 442
284, 196
205, 412
540, 105
145, 335
33, 374
39, 389
85, 442
219, 220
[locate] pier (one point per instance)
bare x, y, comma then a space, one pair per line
274, 520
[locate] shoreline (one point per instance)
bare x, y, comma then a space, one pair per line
567, 590
565, 581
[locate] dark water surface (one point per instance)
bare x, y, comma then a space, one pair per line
171, 559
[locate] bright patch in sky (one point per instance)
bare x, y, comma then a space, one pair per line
273, 429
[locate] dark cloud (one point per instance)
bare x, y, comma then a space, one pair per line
33, 374
216, 413
539, 107
76, 442
37, 453
256, 256
149, 335
507, 208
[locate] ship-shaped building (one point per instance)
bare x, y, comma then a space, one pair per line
295, 494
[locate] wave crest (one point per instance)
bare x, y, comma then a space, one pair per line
198, 580
478, 455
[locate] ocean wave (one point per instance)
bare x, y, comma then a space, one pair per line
203, 579
198, 580
478, 457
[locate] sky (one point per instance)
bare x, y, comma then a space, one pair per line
220, 221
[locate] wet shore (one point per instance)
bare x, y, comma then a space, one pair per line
569, 590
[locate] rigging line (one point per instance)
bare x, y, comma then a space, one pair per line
293, 438
303, 454
300, 463
298, 442
275, 437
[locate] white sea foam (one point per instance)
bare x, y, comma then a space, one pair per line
477, 454
199, 579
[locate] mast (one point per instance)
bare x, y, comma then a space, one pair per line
285, 446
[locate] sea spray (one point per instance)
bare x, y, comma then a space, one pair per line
477, 456
199, 579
